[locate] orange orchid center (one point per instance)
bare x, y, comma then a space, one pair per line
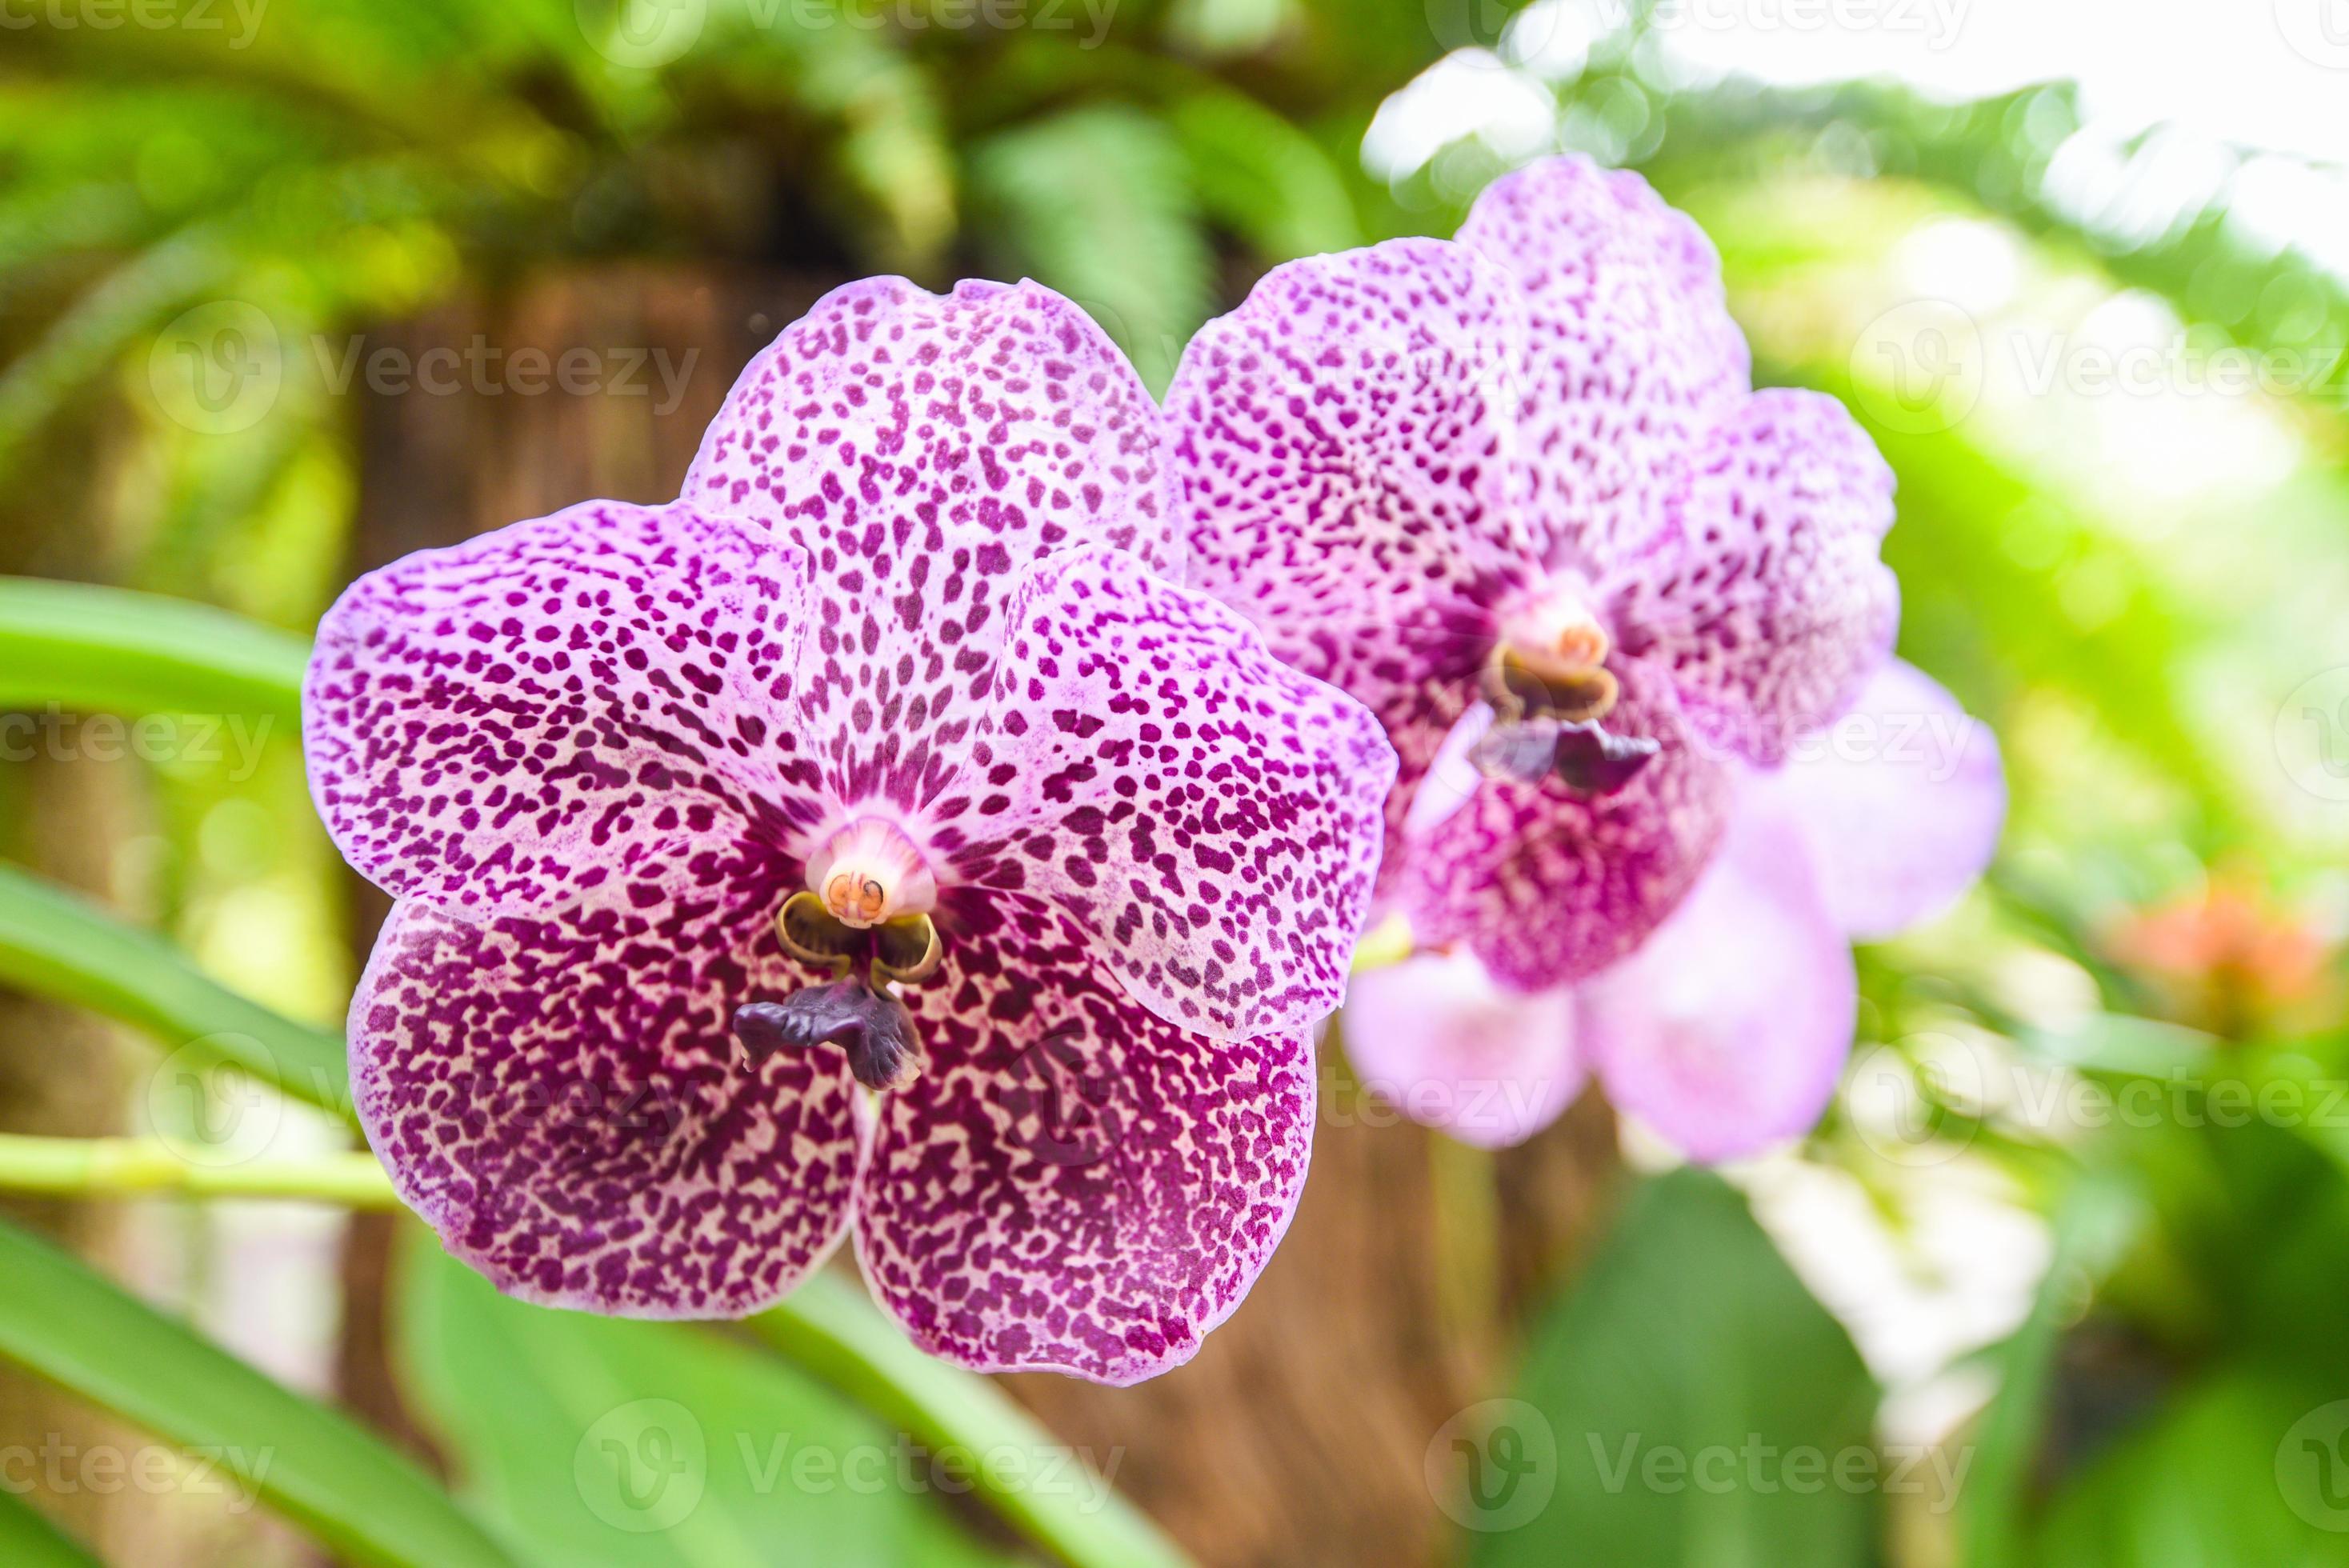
869, 873
1552, 663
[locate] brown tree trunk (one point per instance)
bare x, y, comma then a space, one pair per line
1299, 1433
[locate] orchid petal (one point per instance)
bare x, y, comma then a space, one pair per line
1073, 1184
1901, 802
1763, 592
1207, 815
1343, 442
924, 449
567, 710
561, 1101
1633, 356
1434, 1037
1727, 1030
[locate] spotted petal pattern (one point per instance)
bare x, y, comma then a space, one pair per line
573, 709
1546, 887
1207, 815
1343, 441
560, 1100
922, 450
1633, 359
1762, 593
1073, 1184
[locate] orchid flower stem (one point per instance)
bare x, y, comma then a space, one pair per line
153, 1167
1467, 1244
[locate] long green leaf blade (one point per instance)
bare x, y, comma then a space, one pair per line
56, 945
110, 650
67, 1325
827, 1328
30, 1540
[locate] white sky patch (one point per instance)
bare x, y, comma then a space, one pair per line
2214, 82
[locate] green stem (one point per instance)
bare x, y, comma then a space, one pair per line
827, 1327
141, 1167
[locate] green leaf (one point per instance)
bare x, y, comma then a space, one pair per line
630, 1445
1697, 1403
56, 945
2244, 1470
30, 1540
2093, 1222
1096, 202
65, 1324
1263, 178
828, 1328
110, 650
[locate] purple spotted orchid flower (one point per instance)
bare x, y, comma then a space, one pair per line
1525, 470
883, 754
1727, 1029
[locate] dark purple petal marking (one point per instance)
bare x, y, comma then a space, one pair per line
1073, 1184
1634, 357
1207, 815
1344, 441
1547, 886
923, 450
587, 708
1763, 593
562, 1102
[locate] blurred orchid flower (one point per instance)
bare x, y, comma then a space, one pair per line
1727, 1029
883, 758
1526, 467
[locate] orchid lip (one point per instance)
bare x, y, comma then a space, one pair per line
872, 1027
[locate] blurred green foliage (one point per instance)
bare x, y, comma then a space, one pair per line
2168, 908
